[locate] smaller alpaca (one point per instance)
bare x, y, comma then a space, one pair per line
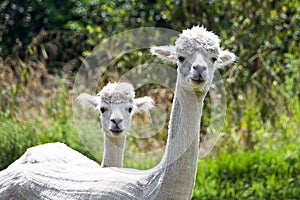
116, 104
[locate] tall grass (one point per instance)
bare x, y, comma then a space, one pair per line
15, 137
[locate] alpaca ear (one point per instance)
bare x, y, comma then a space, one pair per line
88, 102
143, 104
225, 58
167, 53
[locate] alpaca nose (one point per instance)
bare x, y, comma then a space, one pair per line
199, 72
199, 68
116, 121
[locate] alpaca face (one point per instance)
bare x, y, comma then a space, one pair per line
198, 54
197, 69
116, 104
115, 112
116, 118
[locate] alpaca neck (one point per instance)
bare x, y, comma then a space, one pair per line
181, 155
113, 151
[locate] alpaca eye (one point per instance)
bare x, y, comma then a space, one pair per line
129, 110
181, 59
102, 110
214, 59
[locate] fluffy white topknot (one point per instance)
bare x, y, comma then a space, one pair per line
117, 93
197, 38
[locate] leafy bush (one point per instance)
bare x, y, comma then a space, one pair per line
23, 20
270, 173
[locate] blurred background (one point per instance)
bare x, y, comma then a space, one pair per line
43, 43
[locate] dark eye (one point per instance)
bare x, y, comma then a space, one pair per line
129, 110
181, 59
214, 59
102, 109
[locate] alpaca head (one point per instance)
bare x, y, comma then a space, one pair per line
116, 105
198, 54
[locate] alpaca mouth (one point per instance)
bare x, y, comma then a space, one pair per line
116, 131
198, 80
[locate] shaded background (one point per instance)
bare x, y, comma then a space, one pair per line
43, 43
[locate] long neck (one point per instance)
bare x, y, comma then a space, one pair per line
181, 154
113, 151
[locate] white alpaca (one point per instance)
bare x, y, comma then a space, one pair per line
197, 53
116, 105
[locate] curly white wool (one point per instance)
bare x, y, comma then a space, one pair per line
197, 38
117, 93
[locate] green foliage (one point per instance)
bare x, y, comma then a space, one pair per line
15, 137
21, 20
261, 174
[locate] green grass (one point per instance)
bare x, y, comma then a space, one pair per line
15, 137
270, 173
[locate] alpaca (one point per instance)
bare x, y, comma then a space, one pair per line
198, 54
116, 105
